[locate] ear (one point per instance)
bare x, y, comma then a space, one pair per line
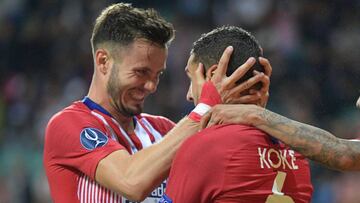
102, 57
210, 71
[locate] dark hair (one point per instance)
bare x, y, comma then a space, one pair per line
209, 48
121, 23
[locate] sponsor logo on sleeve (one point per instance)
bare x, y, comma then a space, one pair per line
92, 138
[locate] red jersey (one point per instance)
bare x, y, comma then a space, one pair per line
237, 163
79, 136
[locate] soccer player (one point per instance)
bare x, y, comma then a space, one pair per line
234, 163
314, 143
103, 149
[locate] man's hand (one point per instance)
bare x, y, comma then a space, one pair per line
228, 89
232, 113
263, 93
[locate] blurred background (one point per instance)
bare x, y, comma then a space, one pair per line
46, 63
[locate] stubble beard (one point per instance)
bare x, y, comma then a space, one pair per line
115, 92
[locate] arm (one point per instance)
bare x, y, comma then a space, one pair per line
135, 176
312, 142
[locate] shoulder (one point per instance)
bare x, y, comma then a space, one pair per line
160, 123
75, 114
70, 121
230, 133
236, 137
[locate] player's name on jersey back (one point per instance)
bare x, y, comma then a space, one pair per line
277, 158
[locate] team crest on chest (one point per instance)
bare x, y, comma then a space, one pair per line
92, 138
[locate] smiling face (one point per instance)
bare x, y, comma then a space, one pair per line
134, 75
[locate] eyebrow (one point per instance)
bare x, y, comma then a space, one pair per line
149, 69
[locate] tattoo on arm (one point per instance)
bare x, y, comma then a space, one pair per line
312, 142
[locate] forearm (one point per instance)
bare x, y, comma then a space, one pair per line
135, 176
314, 143
152, 165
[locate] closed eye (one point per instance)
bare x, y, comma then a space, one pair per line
141, 72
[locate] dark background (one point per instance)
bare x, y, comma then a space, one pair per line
46, 63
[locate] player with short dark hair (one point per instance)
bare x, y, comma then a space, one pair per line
234, 163
103, 148
207, 50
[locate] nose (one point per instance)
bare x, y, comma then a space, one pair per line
151, 85
189, 95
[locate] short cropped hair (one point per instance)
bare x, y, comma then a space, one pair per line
122, 24
209, 48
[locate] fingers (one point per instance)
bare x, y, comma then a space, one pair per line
265, 81
247, 99
264, 91
247, 84
212, 117
223, 63
205, 119
212, 122
264, 100
208, 119
210, 72
266, 64
239, 72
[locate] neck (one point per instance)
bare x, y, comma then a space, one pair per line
98, 95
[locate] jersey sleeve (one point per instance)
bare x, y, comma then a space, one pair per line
78, 141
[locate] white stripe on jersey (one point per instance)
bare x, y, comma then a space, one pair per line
92, 192
127, 137
113, 134
96, 195
158, 137
141, 133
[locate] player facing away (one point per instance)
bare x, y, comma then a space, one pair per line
234, 163
103, 148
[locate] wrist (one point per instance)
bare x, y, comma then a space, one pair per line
209, 94
198, 112
209, 97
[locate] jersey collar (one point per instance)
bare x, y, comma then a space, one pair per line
94, 106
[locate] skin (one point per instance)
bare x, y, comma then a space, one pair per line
131, 80
312, 142
231, 92
123, 78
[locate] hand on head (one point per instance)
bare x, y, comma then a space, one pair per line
226, 85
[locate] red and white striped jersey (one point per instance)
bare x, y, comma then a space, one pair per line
79, 136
